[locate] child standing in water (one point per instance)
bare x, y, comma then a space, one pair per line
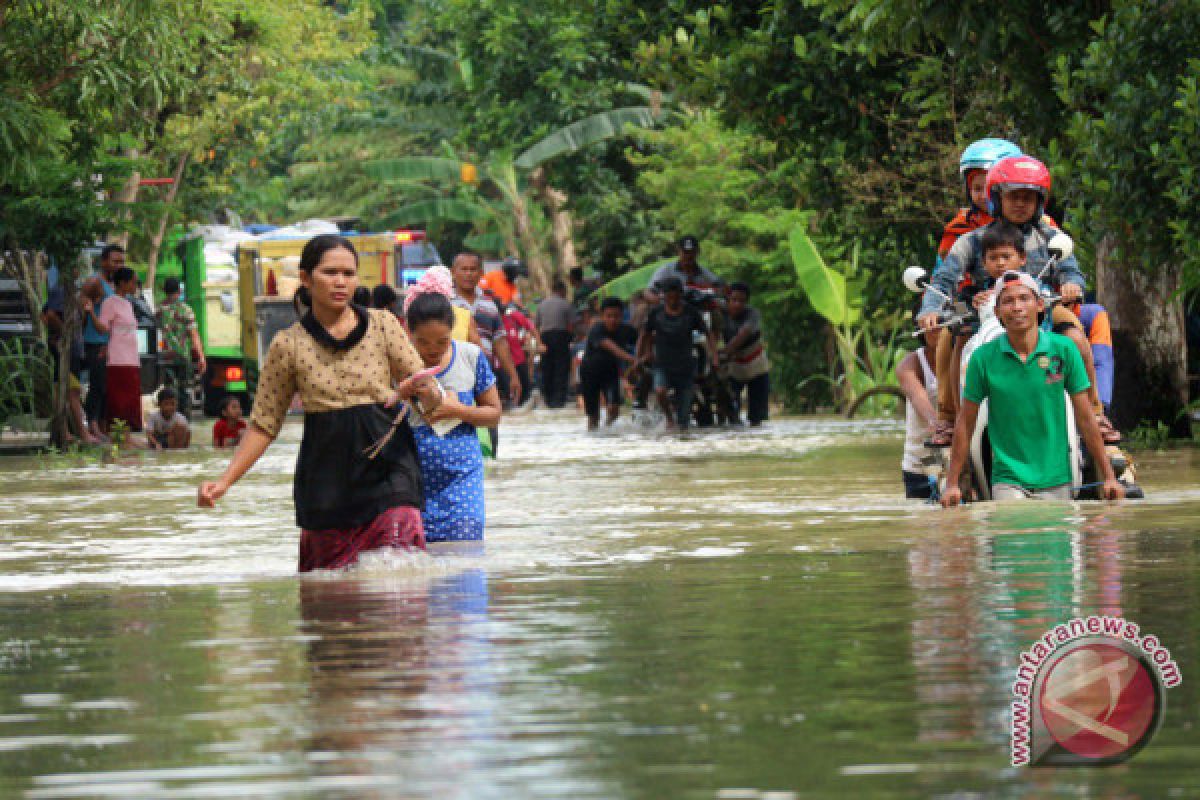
357, 484
447, 443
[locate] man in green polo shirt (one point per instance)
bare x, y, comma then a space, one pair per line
1022, 375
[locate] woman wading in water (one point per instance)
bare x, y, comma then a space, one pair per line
358, 483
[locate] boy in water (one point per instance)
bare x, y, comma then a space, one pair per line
168, 429
606, 350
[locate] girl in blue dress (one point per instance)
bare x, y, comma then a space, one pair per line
447, 444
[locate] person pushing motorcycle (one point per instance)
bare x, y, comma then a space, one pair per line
1022, 375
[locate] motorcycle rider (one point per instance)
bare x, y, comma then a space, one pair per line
687, 269
1022, 376
973, 165
668, 330
1018, 188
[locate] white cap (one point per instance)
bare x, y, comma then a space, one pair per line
1023, 278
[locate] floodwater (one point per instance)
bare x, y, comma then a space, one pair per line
727, 616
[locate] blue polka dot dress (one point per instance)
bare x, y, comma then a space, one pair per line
452, 464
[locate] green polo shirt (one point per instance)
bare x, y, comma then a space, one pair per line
1027, 418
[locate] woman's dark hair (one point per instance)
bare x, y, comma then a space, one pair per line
612, 302
226, 401
430, 307
123, 274
383, 296
314, 250
738, 286
166, 393
362, 297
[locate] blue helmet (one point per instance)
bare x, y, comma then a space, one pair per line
982, 155
985, 152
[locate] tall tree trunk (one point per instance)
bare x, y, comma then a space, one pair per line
1149, 340
157, 239
61, 422
562, 225
127, 194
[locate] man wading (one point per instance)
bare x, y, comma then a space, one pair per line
1022, 375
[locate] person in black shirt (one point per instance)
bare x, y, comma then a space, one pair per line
608, 346
669, 328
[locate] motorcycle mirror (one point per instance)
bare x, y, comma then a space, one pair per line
914, 279
1061, 245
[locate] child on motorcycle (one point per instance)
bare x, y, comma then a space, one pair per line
1017, 189
973, 166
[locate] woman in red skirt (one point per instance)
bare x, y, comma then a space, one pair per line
123, 376
357, 484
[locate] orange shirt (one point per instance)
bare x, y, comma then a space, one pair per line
497, 282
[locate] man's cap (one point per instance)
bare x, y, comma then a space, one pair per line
1013, 277
689, 243
670, 284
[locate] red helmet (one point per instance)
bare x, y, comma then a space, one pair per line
1017, 172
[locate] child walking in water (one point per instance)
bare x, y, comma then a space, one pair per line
447, 443
357, 484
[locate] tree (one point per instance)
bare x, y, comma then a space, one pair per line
1129, 147
73, 80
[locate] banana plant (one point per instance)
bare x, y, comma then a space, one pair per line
866, 345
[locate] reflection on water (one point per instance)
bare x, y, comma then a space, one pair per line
752, 615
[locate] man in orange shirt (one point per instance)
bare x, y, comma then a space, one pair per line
503, 282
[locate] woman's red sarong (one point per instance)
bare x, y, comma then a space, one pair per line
331, 548
123, 396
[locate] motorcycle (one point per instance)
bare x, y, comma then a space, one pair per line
960, 315
712, 400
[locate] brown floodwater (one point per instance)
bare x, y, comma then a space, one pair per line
733, 615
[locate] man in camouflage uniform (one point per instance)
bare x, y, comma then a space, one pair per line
182, 338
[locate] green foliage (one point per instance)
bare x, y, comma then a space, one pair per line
1150, 436
825, 288
636, 280
578, 135
1131, 133
28, 373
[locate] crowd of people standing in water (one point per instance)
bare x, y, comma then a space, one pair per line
394, 404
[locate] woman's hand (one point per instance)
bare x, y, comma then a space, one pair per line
981, 298
410, 388
449, 408
210, 492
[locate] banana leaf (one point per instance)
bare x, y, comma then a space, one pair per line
416, 168
625, 285
437, 209
579, 135
825, 288
486, 242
